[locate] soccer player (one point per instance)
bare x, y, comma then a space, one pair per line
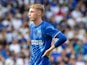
44, 37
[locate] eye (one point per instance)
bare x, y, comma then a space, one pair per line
32, 11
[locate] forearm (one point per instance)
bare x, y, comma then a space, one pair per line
55, 43
51, 48
60, 39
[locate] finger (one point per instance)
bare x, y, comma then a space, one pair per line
43, 55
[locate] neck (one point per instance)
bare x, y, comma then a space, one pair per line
38, 21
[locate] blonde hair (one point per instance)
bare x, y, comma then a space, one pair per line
39, 7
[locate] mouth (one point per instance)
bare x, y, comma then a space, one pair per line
30, 17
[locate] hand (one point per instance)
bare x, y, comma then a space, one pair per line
47, 52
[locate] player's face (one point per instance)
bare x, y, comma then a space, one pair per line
33, 14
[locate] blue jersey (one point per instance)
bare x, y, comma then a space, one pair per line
41, 38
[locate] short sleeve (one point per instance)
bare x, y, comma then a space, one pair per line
51, 31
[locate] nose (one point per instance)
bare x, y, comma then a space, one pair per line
28, 14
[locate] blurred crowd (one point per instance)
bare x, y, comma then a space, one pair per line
69, 16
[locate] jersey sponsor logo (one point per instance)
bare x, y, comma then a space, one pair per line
36, 42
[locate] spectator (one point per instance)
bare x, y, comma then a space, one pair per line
80, 60
15, 47
9, 61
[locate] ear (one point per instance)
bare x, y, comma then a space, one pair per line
39, 13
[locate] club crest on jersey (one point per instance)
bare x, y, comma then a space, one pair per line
39, 34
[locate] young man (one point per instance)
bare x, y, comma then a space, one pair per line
42, 36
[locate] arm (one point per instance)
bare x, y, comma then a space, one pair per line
61, 38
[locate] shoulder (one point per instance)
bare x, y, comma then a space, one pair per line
48, 28
47, 25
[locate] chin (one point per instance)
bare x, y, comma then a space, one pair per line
32, 20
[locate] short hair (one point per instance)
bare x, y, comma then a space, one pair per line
39, 7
